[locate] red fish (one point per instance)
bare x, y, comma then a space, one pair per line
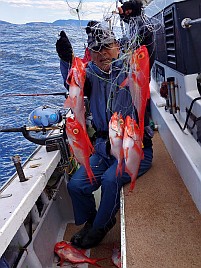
132, 145
67, 252
76, 79
77, 138
116, 133
138, 82
75, 101
116, 257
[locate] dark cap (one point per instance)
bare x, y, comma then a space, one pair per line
90, 26
100, 37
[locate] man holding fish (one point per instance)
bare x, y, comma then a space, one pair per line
122, 150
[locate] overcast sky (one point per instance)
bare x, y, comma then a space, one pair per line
22, 11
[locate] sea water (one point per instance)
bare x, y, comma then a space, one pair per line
29, 64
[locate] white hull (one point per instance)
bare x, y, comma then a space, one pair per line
48, 227
181, 145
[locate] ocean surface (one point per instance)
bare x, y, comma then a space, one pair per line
29, 64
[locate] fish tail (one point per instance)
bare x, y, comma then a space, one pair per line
119, 169
124, 83
90, 175
142, 155
132, 185
89, 143
94, 262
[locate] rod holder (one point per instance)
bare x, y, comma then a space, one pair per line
171, 95
17, 162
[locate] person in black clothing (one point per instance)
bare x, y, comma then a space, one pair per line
130, 9
140, 28
65, 53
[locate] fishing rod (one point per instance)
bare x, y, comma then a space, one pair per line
65, 94
26, 133
34, 128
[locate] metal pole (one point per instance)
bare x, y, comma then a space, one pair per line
17, 162
187, 22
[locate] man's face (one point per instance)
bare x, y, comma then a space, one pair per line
104, 57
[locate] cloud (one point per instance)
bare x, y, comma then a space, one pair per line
50, 4
50, 10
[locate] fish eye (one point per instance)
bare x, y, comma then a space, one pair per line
75, 131
141, 55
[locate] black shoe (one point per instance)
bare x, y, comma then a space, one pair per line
94, 236
77, 238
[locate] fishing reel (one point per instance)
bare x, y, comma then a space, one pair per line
45, 116
45, 119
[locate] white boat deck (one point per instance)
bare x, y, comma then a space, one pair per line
23, 195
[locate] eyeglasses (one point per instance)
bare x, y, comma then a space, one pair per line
102, 46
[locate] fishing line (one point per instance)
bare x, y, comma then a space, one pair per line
76, 10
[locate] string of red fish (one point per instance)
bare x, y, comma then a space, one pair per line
125, 135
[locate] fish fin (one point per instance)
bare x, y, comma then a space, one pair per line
69, 77
132, 184
119, 170
76, 144
124, 83
126, 153
94, 261
61, 262
90, 174
142, 155
89, 143
67, 103
74, 102
83, 251
70, 102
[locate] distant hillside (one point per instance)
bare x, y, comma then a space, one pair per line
38, 23
70, 22
4, 22
55, 23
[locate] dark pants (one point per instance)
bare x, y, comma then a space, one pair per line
81, 190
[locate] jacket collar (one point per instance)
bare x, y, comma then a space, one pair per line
116, 65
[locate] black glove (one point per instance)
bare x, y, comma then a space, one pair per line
64, 47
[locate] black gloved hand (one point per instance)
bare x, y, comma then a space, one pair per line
64, 47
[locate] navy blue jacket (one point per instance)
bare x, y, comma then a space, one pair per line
64, 68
